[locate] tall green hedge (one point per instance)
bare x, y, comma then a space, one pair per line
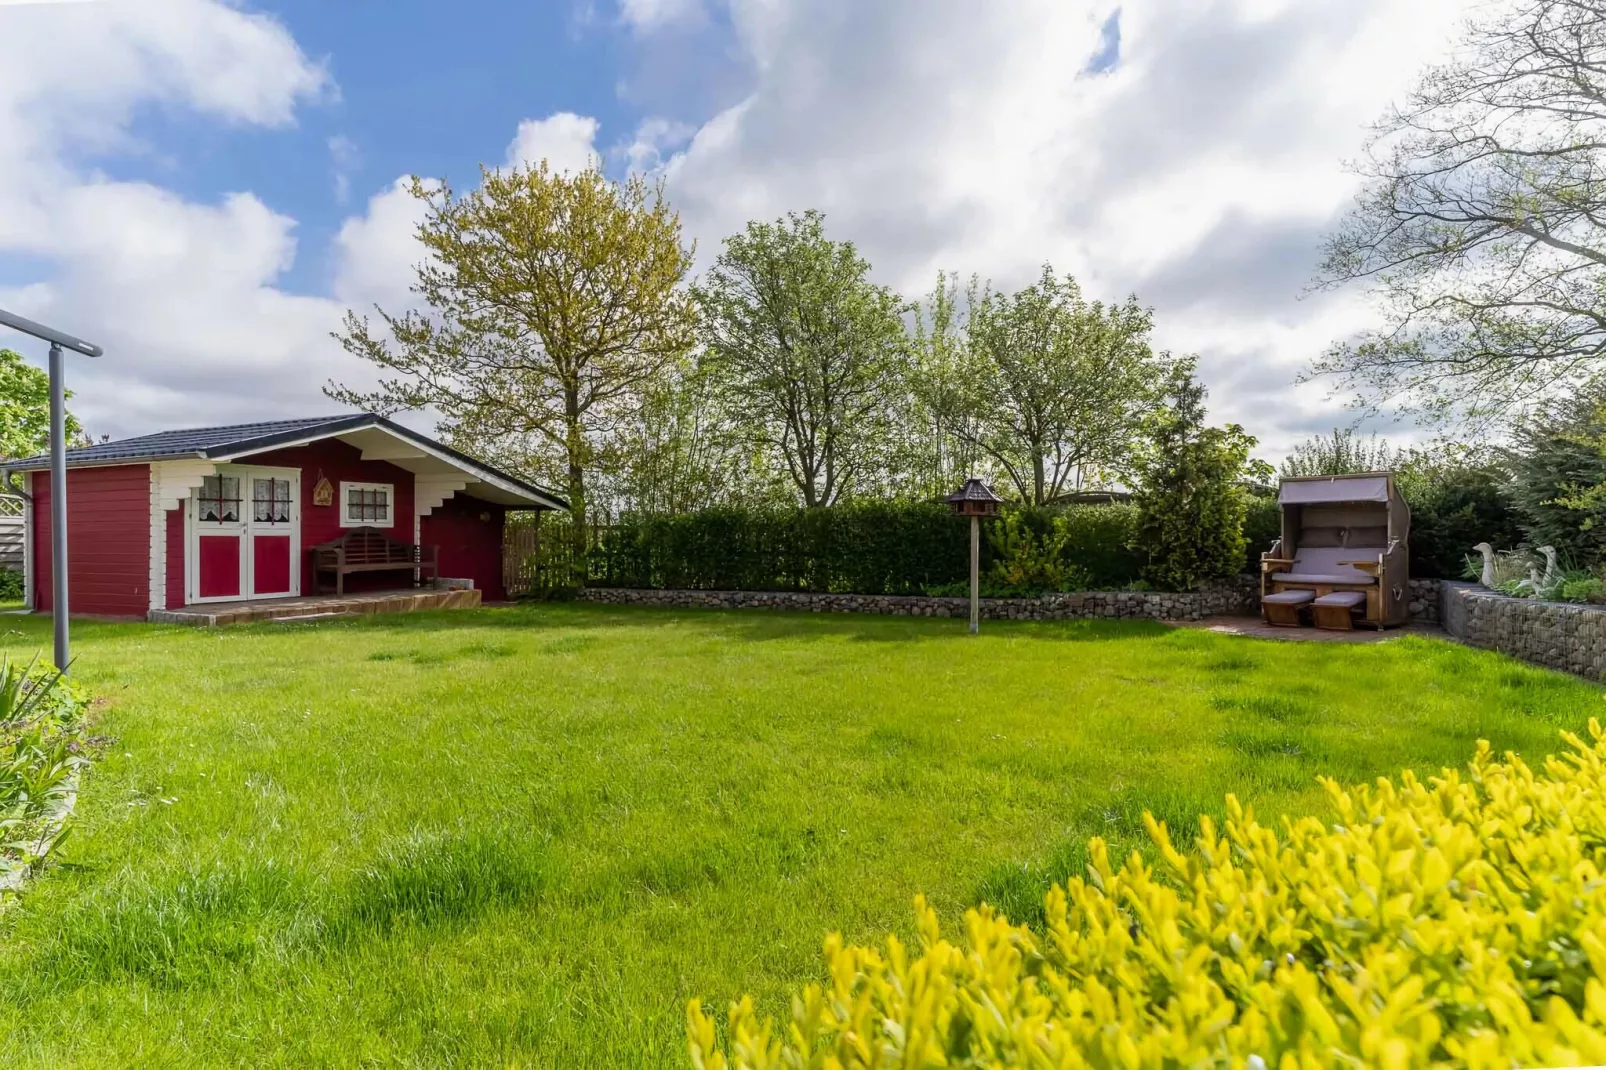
869, 548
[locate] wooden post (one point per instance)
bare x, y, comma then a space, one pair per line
975, 574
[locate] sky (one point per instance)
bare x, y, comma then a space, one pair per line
204, 187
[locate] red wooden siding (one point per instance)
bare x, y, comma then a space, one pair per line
108, 540
469, 534
175, 557
337, 461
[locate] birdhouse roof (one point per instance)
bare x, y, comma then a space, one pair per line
974, 490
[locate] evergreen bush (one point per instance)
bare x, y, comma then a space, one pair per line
1191, 505
1559, 476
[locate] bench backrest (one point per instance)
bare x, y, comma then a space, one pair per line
370, 546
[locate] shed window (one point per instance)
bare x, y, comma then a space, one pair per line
270, 501
367, 505
219, 501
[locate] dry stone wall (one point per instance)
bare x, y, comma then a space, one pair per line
1555, 634
1238, 597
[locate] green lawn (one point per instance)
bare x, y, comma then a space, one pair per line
528, 836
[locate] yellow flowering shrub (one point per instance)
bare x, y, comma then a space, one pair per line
1457, 921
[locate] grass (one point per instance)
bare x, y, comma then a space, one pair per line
527, 836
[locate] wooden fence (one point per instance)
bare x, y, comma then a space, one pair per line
11, 532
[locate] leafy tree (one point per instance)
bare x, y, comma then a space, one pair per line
1339, 453
944, 430
25, 409
1482, 229
1051, 388
554, 302
684, 450
1190, 498
810, 351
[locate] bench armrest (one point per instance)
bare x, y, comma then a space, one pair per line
1371, 567
1276, 564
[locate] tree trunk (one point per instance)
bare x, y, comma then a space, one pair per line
575, 448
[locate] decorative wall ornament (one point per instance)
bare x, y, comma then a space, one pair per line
323, 492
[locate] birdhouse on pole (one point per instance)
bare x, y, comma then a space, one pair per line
975, 499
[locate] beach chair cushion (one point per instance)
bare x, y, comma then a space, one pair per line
1290, 598
1348, 599
1324, 564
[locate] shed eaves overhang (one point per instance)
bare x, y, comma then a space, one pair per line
378, 438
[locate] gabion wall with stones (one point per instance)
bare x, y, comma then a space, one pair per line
1555, 634
1238, 597
1424, 596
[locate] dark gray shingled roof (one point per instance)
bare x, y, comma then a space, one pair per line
237, 439
187, 442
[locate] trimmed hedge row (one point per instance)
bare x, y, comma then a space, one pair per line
869, 548
900, 548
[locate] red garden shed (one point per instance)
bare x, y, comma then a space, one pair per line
228, 514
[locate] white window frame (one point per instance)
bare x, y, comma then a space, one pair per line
346, 521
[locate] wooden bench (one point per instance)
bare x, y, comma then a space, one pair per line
370, 550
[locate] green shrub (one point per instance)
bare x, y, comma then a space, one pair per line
1459, 921
10, 585
1263, 525
42, 742
1558, 467
1026, 561
1582, 588
1453, 508
863, 548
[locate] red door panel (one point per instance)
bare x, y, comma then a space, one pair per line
270, 564
218, 566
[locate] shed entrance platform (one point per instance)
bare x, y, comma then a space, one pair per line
317, 607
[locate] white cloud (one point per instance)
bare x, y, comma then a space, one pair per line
377, 252
648, 15
654, 141
1200, 171
565, 140
344, 158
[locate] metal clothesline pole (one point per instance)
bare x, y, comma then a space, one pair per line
58, 507
58, 468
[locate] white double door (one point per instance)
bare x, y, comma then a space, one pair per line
243, 535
